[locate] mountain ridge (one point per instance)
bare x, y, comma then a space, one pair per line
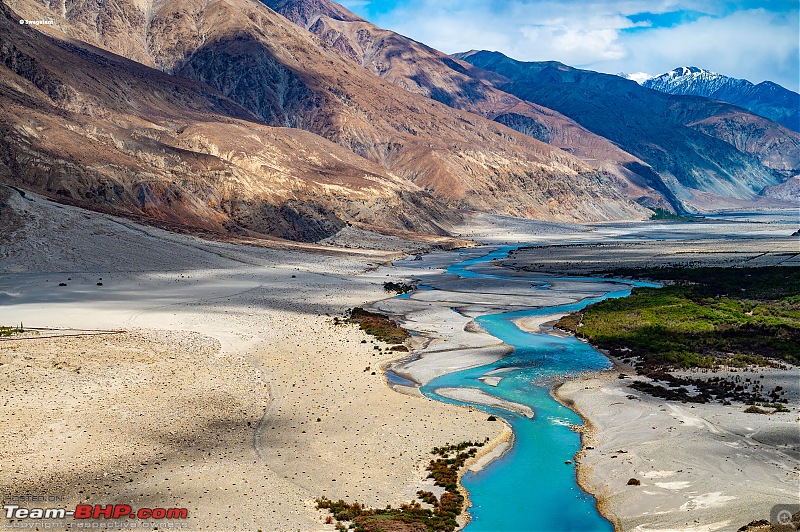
229, 117
766, 99
700, 146
390, 159
420, 69
85, 126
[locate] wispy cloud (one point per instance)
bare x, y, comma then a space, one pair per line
748, 39
753, 44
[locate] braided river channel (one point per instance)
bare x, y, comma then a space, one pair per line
533, 486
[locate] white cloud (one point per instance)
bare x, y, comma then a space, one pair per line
746, 44
753, 44
639, 77
534, 31
573, 43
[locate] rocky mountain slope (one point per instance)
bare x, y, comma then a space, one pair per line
766, 99
284, 76
422, 70
707, 151
88, 127
788, 191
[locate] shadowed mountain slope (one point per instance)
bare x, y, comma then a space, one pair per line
287, 77
706, 150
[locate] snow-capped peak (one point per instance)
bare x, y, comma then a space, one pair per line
694, 80
767, 99
690, 71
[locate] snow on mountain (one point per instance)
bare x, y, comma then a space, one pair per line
767, 99
695, 81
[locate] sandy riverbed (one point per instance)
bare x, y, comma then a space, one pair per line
701, 466
253, 402
711, 467
229, 390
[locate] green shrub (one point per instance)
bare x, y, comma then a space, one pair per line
378, 325
8, 331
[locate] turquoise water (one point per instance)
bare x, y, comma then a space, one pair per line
459, 268
531, 488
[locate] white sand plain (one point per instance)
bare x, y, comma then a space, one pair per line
701, 466
249, 402
231, 393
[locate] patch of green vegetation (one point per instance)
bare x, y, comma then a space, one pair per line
707, 317
397, 288
662, 214
8, 331
378, 325
776, 407
768, 283
753, 409
413, 517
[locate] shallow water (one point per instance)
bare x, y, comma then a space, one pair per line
459, 268
531, 487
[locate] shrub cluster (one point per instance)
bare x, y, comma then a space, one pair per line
413, 517
378, 325
663, 214
397, 288
8, 331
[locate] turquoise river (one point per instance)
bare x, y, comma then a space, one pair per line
533, 486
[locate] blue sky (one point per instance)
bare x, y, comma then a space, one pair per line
755, 40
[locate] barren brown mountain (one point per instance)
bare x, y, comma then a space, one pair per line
84, 125
711, 175
244, 53
420, 69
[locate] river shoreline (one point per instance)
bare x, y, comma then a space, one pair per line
312, 414
467, 342
588, 434
492, 450
628, 507
682, 456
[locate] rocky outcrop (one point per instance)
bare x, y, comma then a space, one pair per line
258, 82
788, 191
771, 144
